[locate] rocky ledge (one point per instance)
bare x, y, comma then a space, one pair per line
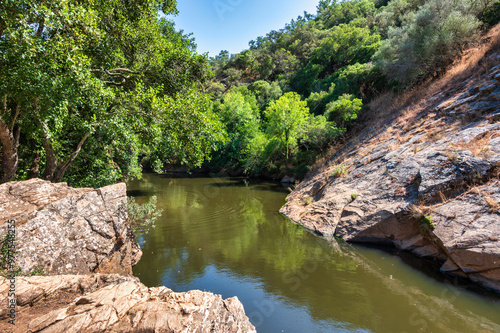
113, 303
426, 181
81, 240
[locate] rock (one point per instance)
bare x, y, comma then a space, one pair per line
113, 303
399, 181
288, 180
69, 231
487, 88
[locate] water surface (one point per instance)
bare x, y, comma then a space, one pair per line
226, 236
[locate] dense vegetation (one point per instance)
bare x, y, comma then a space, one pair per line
328, 66
93, 91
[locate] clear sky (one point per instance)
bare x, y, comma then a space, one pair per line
230, 24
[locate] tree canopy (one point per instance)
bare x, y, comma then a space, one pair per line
91, 89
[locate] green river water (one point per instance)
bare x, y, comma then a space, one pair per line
226, 236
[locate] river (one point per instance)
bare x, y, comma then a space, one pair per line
226, 236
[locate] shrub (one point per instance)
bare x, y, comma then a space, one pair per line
427, 222
429, 39
344, 110
339, 170
142, 217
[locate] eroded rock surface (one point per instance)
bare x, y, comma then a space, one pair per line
113, 303
440, 160
69, 231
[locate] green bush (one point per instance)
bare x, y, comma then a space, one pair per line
142, 217
427, 222
344, 110
429, 39
492, 15
339, 171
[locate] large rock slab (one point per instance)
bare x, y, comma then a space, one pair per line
441, 160
69, 231
113, 303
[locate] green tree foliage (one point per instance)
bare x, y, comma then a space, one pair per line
238, 110
89, 89
266, 92
429, 39
334, 12
344, 110
284, 117
338, 60
491, 15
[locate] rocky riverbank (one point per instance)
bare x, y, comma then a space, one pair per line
425, 181
80, 239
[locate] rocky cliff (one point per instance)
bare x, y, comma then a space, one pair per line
426, 180
79, 237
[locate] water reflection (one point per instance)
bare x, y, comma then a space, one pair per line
225, 236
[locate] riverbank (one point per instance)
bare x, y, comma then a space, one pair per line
80, 240
423, 179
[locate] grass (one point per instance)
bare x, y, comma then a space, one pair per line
306, 201
480, 145
339, 171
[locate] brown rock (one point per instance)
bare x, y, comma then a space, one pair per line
69, 231
112, 303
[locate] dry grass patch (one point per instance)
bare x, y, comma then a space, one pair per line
479, 146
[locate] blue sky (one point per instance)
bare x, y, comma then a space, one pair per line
230, 24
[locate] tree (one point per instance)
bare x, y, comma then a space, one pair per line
266, 92
240, 114
72, 70
344, 110
284, 117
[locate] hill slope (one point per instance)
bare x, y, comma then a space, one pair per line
423, 177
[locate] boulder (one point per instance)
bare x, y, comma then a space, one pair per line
288, 180
64, 230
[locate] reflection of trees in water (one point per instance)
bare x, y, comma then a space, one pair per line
237, 229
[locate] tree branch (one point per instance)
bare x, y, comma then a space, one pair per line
41, 26
51, 159
16, 114
9, 143
2, 25
64, 167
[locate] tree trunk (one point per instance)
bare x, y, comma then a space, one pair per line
10, 141
62, 169
2, 25
50, 156
35, 166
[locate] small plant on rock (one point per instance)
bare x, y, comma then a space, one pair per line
427, 222
307, 200
142, 217
354, 197
339, 171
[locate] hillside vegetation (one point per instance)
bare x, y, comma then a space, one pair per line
296, 91
94, 92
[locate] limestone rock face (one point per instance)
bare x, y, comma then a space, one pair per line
113, 303
69, 231
440, 160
